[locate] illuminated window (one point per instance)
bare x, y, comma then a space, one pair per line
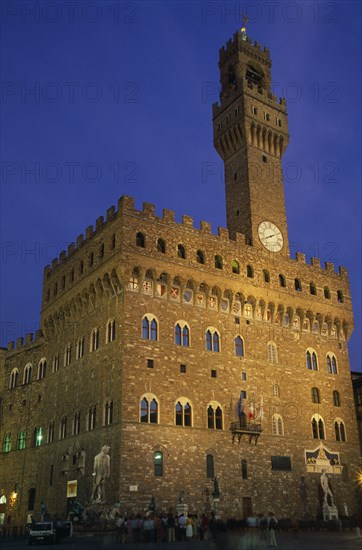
22, 440
235, 267
158, 463
38, 437
7, 443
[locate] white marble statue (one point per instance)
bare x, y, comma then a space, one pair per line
101, 471
326, 488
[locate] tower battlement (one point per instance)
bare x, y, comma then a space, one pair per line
238, 41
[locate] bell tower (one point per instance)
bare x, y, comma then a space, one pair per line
251, 135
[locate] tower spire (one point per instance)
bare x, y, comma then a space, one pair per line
245, 19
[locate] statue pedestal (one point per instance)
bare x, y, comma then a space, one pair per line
329, 512
182, 508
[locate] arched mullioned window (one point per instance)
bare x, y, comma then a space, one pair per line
210, 470
276, 390
182, 334
21, 440
38, 436
312, 288
327, 293
340, 298
239, 346
214, 417
331, 363
311, 359
13, 379
181, 252
297, 285
235, 267
111, 330
318, 427
244, 469
272, 352
339, 430
7, 443
161, 246
149, 327
80, 347
336, 398
249, 271
140, 240
212, 339
108, 412
27, 373
149, 409
218, 262
91, 418
42, 369
94, 342
282, 281
200, 257
277, 425
158, 463
183, 413
266, 276
315, 395
67, 354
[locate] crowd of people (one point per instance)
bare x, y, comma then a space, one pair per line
154, 527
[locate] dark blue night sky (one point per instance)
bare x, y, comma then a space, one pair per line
101, 99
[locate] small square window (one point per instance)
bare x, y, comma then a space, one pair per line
24, 402
213, 373
243, 394
247, 322
243, 375
235, 176
237, 320
183, 369
39, 398
150, 363
254, 110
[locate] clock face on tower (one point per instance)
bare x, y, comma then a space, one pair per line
270, 236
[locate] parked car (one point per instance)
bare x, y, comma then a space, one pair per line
42, 532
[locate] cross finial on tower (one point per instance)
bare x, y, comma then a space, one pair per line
243, 28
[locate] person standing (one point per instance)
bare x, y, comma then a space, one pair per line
170, 526
272, 525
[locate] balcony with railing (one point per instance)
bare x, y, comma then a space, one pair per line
249, 429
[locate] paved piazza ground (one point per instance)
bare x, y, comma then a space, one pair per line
286, 541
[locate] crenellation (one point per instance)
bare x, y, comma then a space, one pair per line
71, 249
19, 342
329, 266
39, 334
11, 345
188, 221
315, 262
343, 272
62, 256
149, 209
80, 240
205, 227
99, 222
300, 257
89, 232
240, 239
168, 215
110, 213
223, 233
126, 204
29, 338
55, 263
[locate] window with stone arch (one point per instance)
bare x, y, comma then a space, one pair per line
212, 339
111, 331
266, 276
244, 469
282, 281
140, 240
200, 257
79, 350
235, 267
108, 412
276, 390
297, 285
312, 289
318, 430
181, 252
277, 425
94, 340
331, 363
7, 442
161, 246
56, 363
27, 374
336, 398
13, 378
42, 369
250, 271
311, 359
149, 409
316, 398
214, 416
67, 354
183, 412
340, 430
210, 469
158, 463
272, 352
340, 298
218, 262
149, 327
327, 293
239, 346
91, 418
21, 440
182, 334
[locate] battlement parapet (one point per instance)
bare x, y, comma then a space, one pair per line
126, 206
248, 43
22, 343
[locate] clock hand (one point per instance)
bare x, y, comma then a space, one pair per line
270, 236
